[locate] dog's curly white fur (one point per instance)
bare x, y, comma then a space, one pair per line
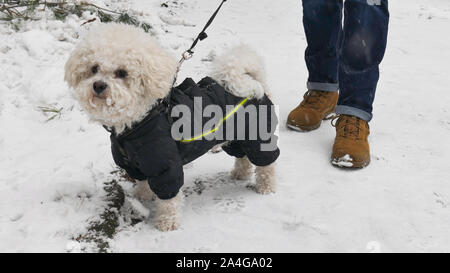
110, 50
143, 192
241, 71
265, 179
150, 72
242, 169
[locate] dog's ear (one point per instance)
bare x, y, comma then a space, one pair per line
158, 69
76, 66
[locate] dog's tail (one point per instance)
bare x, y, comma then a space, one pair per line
241, 71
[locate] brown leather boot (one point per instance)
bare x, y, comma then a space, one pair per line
316, 105
351, 147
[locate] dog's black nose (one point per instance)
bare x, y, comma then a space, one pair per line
99, 87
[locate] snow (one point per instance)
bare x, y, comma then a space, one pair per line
345, 161
52, 172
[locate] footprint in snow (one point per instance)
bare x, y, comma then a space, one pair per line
202, 184
229, 204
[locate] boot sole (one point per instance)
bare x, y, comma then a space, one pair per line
304, 129
346, 164
308, 128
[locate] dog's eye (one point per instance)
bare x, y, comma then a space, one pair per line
120, 73
94, 69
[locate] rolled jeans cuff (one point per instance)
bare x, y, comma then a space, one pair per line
352, 111
323, 86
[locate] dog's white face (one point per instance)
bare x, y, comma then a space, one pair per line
117, 73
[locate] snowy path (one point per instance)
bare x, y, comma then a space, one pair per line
52, 173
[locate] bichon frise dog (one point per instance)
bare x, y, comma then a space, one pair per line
123, 79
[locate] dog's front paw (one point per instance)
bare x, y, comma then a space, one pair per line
265, 188
168, 213
167, 225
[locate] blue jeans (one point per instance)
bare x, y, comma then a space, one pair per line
346, 56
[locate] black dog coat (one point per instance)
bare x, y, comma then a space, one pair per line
148, 150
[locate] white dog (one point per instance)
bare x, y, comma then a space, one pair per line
121, 76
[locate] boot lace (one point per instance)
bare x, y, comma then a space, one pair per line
347, 126
312, 99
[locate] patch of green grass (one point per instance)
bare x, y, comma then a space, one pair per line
100, 231
26, 10
51, 111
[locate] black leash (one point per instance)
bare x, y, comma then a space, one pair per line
202, 35
190, 52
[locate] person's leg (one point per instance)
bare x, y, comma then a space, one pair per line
362, 50
322, 21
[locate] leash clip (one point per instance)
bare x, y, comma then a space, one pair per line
187, 55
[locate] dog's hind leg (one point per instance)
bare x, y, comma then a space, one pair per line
168, 213
265, 179
242, 169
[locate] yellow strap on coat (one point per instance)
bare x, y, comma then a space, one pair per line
220, 122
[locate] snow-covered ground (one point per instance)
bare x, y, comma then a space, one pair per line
53, 172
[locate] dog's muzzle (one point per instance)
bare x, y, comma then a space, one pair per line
99, 87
